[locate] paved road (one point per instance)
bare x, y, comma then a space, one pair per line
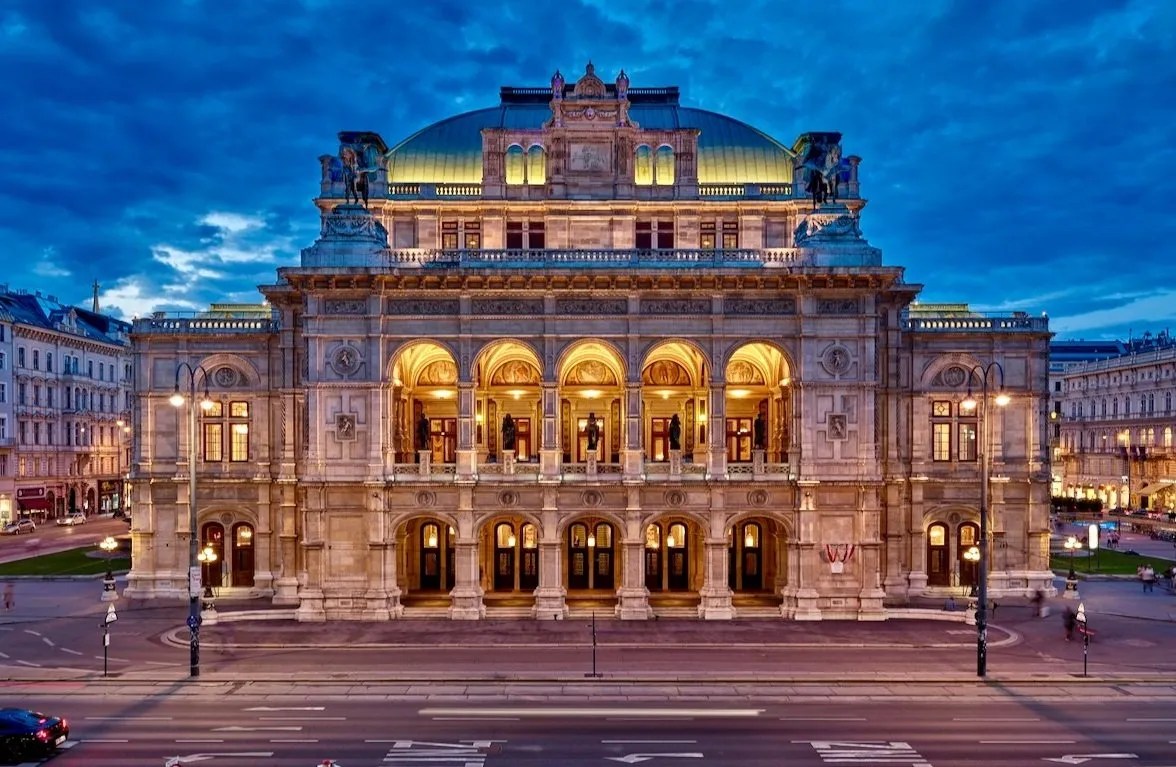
238, 731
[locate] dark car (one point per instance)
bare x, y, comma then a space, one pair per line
25, 733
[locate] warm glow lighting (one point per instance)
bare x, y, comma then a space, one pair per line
670, 541
972, 554
1002, 399
205, 403
120, 422
785, 381
246, 533
479, 418
207, 556
702, 417
590, 393
969, 403
749, 540
432, 542
591, 541
511, 541
176, 399
442, 394
516, 393
108, 544
739, 393
665, 394
241, 428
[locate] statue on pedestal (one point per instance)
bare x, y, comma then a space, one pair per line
422, 433
592, 431
675, 433
759, 432
508, 434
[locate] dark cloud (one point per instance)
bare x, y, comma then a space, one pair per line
1014, 156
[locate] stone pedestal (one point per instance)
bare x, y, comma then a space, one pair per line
109, 590
757, 463
550, 604
508, 464
675, 463
633, 605
715, 604
590, 467
424, 462
1071, 591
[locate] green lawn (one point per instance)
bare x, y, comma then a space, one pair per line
72, 562
1106, 562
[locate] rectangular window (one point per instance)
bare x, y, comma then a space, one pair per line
473, 235
215, 410
941, 441
49, 361
20, 357
239, 445
3, 360
536, 236
20, 394
665, 235
49, 394
3, 427
213, 442
36, 395
90, 368
706, 237
514, 235
3, 392
968, 445
49, 433
449, 235
36, 359
644, 238
36, 433
730, 235
238, 410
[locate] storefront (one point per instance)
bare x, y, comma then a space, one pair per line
33, 503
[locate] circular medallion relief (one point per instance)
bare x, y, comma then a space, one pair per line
757, 497
591, 498
955, 376
954, 518
225, 377
345, 361
508, 498
837, 360
426, 498
675, 498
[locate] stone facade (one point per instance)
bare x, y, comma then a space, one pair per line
609, 377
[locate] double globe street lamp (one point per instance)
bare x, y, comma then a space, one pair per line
194, 565
109, 591
995, 372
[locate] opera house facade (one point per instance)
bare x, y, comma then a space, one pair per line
590, 351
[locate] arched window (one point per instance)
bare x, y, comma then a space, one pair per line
536, 165
516, 171
663, 166
643, 166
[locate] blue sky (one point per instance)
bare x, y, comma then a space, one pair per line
1017, 155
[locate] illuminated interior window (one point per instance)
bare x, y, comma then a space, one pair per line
653, 537
643, 166
504, 536
516, 170
937, 535
536, 165
603, 536
663, 167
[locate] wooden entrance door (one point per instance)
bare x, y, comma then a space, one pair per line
212, 536
430, 544
578, 556
677, 558
504, 557
938, 562
653, 558
602, 571
968, 536
241, 572
529, 565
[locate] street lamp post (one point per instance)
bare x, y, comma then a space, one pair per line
177, 399
972, 556
207, 557
124, 428
1071, 544
984, 372
109, 591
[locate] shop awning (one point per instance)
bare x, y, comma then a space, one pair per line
27, 504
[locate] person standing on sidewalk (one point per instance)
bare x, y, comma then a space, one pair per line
1070, 621
9, 596
1148, 576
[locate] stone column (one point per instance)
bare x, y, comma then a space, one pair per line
800, 595
716, 467
550, 596
549, 449
466, 597
467, 451
631, 453
716, 590
633, 597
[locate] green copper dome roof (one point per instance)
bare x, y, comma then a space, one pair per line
450, 151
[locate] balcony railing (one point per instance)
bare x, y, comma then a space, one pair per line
196, 324
599, 258
976, 323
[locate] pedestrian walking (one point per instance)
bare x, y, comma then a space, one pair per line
9, 596
1069, 620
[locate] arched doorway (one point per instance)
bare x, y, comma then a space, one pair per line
938, 567
529, 565
591, 555
968, 538
505, 543
241, 569
745, 558
668, 543
436, 556
212, 536
653, 557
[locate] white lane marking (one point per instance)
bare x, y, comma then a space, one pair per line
648, 741
128, 718
989, 719
34, 633
293, 740
48, 641
649, 718
71, 652
302, 718
103, 740
1148, 719
29, 663
200, 740
286, 708
4, 655
822, 719
635, 758
1029, 742
632, 713
239, 728
471, 719
157, 663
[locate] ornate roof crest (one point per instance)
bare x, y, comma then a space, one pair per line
590, 86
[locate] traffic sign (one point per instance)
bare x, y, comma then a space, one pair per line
111, 615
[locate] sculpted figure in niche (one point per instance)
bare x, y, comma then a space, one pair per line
422, 433
675, 433
592, 431
508, 434
760, 432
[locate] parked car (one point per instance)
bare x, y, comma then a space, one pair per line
20, 526
75, 518
30, 734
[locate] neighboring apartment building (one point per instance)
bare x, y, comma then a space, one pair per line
1117, 424
1063, 356
590, 350
65, 401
